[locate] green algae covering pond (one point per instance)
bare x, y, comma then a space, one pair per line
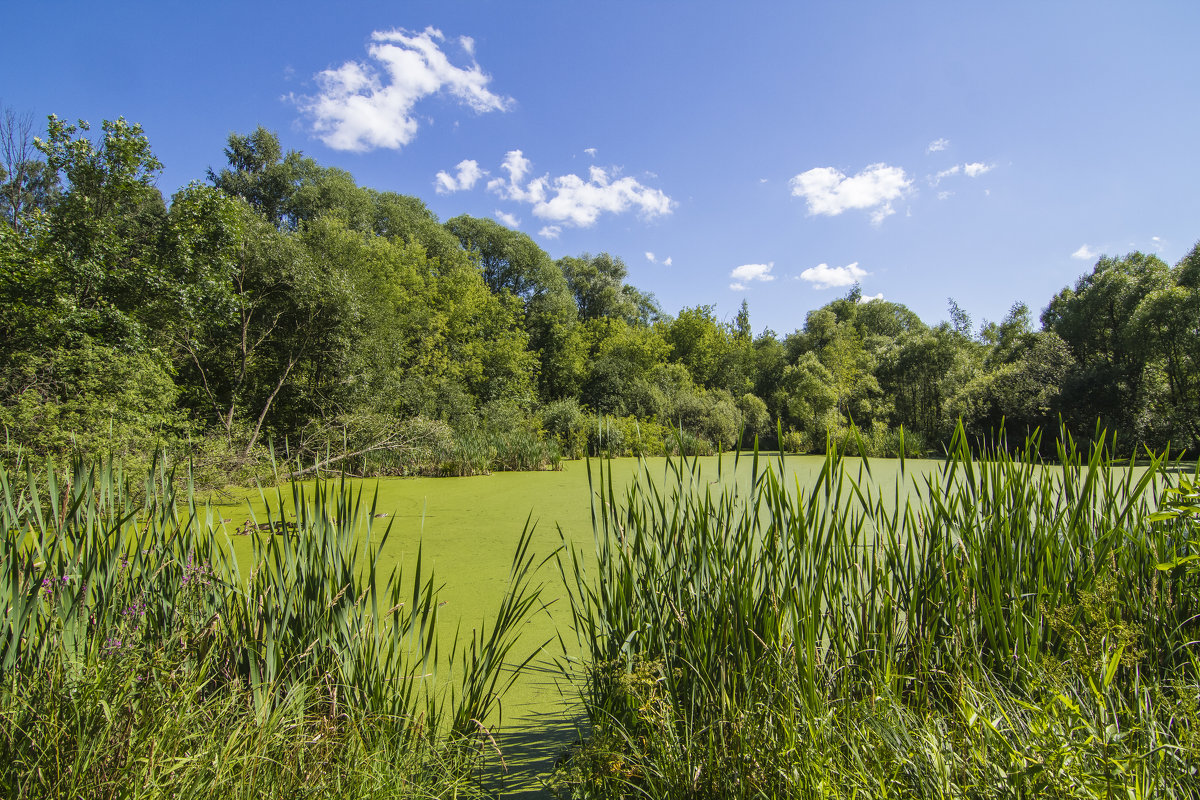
467, 529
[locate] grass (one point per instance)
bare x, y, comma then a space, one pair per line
749, 627
139, 658
1013, 628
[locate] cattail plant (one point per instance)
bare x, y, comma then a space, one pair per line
763, 638
138, 657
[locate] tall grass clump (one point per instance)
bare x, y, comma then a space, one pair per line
138, 658
1010, 628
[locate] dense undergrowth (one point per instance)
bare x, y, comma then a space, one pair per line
138, 658
1014, 628
1009, 627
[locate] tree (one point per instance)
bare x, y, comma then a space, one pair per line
742, 325
26, 182
921, 374
509, 259
1021, 394
258, 173
960, 320
1008, 337
241, 342
85, 295
398, 216
1167, 320
807, 396
598, 284
1096, 320
510, 262
623, 363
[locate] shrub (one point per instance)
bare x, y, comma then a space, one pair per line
567, 424
795, 441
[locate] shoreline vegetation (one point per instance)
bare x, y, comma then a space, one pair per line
1011, 630
140, 659
1016, 627
278, 305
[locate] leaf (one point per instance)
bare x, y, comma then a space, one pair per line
1114, 661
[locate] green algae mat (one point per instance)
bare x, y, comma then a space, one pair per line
467, 529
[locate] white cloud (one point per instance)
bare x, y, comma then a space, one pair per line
870, 298
591, 151
823, 276
550, 231
667, 261
580, 202
937, 145
571, 200
829, 192
946, 173
1158, 246
944, 195
508, 219
650, 257
1084, 253
974, 170
468, 174
362, 106
750, 272
517, 167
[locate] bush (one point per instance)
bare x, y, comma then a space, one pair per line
878, 441
795, 441
627, 436
566, 423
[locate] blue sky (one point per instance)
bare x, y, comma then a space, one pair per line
767, 151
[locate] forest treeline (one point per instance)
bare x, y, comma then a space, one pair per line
279, 304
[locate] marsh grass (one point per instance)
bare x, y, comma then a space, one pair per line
138, 658
1014, 628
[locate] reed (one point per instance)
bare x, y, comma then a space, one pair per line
138, 658
1013, 627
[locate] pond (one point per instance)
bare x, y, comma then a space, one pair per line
467, 529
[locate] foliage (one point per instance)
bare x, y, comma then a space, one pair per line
281, 302
138, 659
1008, 633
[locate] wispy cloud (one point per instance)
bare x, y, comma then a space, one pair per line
937, 145
591, 151
667, 261
1084, 253
550, 231
365, 105
870, 298
946, 173
468, 175
829, 192
823, 276
746, 273
971, 170
650, 257
508, 219
572, 200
